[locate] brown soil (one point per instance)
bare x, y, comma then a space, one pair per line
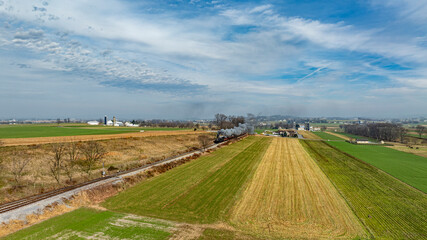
44, 140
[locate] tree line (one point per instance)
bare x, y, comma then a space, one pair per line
223, 121
379, 131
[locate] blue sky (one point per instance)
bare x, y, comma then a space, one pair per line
191, 59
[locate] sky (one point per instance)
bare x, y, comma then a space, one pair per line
187, 59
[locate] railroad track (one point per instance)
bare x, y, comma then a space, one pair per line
6, 207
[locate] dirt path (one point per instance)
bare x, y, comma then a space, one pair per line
43, 140
290, 197
339, 135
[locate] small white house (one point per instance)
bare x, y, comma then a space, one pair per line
93, 123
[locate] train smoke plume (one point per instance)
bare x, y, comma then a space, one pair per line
237, 131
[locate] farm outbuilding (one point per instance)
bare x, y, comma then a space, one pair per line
362, 141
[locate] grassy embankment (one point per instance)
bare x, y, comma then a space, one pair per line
202, 191
387, 207
409, 168
86, 223
41, 130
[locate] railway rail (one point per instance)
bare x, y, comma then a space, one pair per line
13, 205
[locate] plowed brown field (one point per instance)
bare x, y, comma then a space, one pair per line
43, 140
290, 197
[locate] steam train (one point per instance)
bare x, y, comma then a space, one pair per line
221, 138
227, 134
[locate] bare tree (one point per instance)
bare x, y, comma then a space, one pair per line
56, 163
71, 160
420, 130
323, 128
236, 120
204, 141
220, 120
18, 163
93, 152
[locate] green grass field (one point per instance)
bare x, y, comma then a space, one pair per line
388, 208
409, 168
261, 130
417, 135
41, 130
201, 191
87, 223
327, 136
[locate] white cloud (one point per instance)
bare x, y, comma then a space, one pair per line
108, 39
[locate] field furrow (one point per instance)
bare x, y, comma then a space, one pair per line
389, 208
289, 196
201, 191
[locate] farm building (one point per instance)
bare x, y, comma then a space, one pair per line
114, 123
362, 141
314, 129
93, 123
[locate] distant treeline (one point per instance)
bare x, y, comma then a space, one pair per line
223, 121
166, 123
379, 131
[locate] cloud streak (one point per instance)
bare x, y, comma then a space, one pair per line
243, 51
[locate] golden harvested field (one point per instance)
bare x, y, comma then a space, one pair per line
290, 197
44, 140
309, 135
419, 149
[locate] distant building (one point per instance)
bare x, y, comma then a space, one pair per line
93, 123
362, 141
314, 129
114, 123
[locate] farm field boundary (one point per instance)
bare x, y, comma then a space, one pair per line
290, 197
44, 140
409, 168
339, 135
42, 130
85, 223
202, 191
327, 136
387, 207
